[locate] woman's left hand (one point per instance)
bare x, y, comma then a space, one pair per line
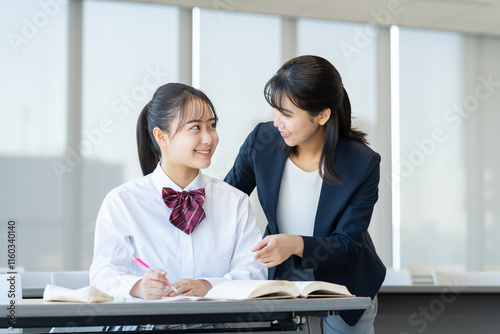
276, 248
189, 287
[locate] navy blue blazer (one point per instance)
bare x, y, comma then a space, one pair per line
340, 250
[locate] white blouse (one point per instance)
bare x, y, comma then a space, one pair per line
298, 200
134, 222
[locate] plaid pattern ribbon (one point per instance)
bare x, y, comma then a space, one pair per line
187, 208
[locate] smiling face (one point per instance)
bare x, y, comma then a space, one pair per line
296, 126
189, 149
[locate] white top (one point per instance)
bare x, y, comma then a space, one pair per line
298, 200
134, 222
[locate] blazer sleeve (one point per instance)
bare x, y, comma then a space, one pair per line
350, 232
242, 175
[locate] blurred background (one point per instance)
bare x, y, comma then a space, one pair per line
423, 78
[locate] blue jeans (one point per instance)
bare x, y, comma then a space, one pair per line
334, 324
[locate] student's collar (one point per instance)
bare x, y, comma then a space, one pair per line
161, 180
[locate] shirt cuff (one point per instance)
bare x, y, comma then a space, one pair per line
213, 280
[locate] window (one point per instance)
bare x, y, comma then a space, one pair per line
238, 57
432, 160
448, 91
356, 63
129, 50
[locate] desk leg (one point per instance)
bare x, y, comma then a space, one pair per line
313, 324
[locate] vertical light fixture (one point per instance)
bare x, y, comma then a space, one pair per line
196, 47
395, 150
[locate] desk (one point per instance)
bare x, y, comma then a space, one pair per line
32, 292
438, 309
303, 314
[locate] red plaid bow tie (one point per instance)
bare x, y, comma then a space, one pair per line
187, 208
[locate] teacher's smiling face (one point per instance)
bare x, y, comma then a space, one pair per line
296, 126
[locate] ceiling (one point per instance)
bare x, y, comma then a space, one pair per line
469, 16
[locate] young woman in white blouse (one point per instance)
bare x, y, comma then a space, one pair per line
176, 137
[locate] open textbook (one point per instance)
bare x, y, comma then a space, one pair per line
269, 289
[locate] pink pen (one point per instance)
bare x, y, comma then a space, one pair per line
145, 266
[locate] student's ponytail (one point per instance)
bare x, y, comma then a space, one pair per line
168, 103
149, 154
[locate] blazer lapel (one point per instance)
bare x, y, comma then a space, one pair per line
275, 163
327, 207
330, 203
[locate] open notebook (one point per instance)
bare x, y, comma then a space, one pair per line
87, 294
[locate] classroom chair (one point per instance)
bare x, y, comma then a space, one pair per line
71, 279
5, 270
424, 274
492, 267
397, 277
470, 278
35, 279
10, 286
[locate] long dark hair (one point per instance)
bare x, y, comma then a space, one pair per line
168, 102
314, 84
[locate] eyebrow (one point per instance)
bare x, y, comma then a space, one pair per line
200, 120
286, 111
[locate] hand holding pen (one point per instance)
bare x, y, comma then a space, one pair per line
160, 272
185, 286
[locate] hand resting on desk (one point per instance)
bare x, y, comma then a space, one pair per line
189, 287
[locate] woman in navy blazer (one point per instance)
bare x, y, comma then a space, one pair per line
312, 129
